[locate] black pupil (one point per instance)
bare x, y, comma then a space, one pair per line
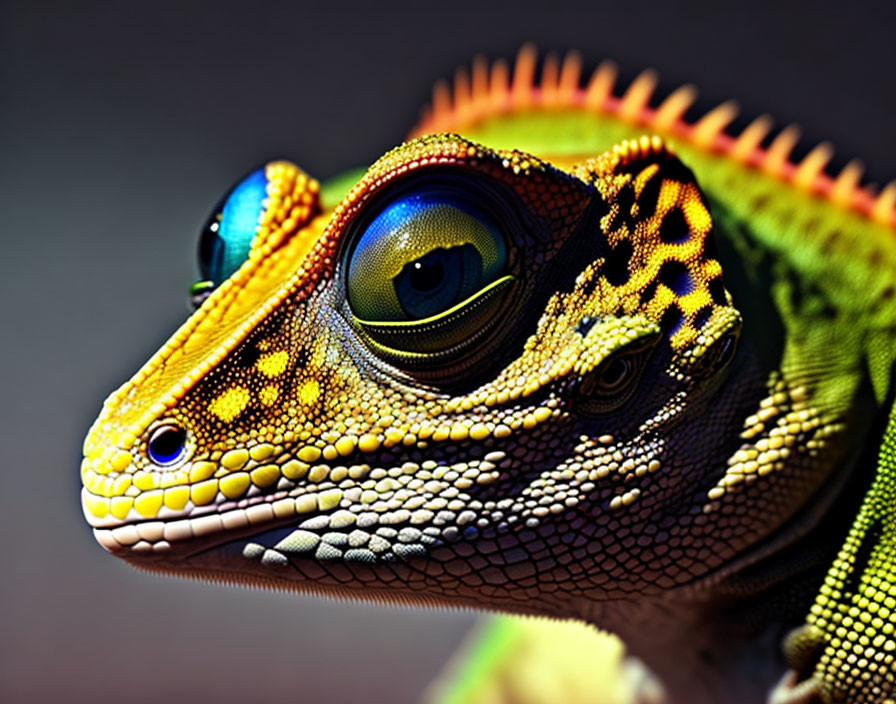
615, 373
166, 443
427, 274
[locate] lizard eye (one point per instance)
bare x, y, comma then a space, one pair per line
615, 374
167, 445
227, 234
612, 383
427, 271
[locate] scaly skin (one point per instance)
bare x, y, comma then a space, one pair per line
650, 418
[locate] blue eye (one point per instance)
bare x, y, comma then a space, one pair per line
422, 255
167, 445
227, 236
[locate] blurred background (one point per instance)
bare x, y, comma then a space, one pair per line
121, 125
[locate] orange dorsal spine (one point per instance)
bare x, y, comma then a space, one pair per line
493, 90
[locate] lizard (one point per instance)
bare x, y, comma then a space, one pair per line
561, 353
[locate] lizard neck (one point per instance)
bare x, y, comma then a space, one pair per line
719, 639
696, 654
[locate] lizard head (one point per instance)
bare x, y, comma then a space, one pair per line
479, 379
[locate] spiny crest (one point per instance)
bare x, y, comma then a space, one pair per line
658, 231
495, 90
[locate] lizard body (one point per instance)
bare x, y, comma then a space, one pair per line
525, 370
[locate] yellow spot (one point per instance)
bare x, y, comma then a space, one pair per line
230, 403
148, 504
442, 433
97, 505
629, 497
121, 505
261, 452
295, 469
269, 394
103, 467
309, 453
91, 451
329, 499
106, 486
265, 475
309, 392
234, 459
479, 431
458, 432
176, 497
346, 445
273, 363
541, 414
368, 443
121, 460
121, 484
145, 481
234, 485
393, 436
90, 479
204, 492
201, 470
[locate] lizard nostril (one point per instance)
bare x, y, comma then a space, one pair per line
166, 445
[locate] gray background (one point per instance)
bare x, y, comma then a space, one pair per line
121, 124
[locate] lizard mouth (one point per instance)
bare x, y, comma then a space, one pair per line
179, 534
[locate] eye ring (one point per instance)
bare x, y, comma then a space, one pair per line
429, 270
167, 445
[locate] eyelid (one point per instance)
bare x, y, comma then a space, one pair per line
398, 324
441, 337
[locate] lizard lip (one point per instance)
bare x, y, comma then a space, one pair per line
181, 532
